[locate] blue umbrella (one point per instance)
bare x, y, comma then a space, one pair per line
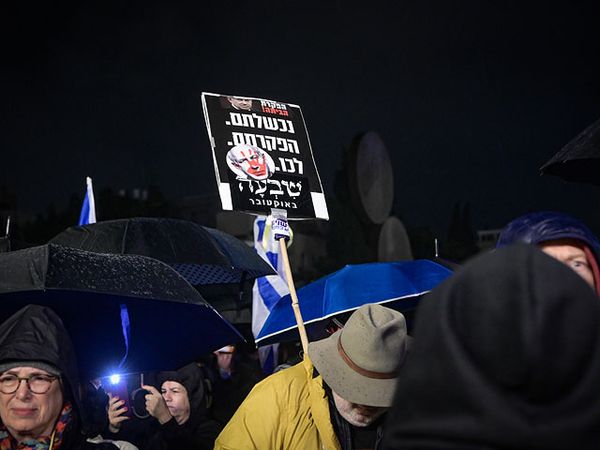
398, 285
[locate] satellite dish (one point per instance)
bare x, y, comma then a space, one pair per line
393, 243
371, 178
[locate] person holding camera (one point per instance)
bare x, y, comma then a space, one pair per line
179, 411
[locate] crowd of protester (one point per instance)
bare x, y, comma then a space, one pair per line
504, 354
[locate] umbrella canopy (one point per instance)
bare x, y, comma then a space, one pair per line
398, 285
579, 160
103, 298
221, 266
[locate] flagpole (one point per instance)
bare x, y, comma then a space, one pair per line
281, 232
295, 304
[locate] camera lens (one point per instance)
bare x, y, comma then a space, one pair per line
138, 403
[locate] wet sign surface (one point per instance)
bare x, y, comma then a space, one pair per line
263, 157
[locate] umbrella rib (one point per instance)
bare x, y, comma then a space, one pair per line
123, 238
327, 316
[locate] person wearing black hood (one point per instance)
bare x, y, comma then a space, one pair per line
40, 406
181, 413
506, 356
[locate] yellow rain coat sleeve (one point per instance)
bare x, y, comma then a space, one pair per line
286, 411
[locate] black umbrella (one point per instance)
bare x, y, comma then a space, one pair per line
579, 160
103, 298
219, 264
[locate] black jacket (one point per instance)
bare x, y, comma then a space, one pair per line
36, 333
345, 431
228, 394
506, 356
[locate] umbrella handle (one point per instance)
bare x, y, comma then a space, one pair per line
295, 304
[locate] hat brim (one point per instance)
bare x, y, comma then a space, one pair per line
344, 381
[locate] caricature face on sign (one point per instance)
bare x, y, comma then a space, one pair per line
248, 161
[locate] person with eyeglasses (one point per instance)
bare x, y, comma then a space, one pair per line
40, 408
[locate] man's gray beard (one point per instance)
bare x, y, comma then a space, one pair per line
349, 417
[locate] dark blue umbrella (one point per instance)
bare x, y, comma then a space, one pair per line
398, 285
202, 255
579, 160
124, 312
219, 265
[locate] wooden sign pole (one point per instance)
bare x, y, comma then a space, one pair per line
295, 304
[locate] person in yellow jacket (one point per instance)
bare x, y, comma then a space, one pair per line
335, 399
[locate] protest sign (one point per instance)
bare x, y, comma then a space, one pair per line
263, 157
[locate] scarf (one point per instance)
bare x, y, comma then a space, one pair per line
52, 442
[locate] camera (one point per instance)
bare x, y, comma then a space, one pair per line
128, 388
138, 403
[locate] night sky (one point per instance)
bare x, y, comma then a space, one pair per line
471, 97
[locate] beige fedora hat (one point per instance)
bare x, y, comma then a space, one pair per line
360, 362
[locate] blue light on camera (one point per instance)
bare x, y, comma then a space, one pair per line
114, 379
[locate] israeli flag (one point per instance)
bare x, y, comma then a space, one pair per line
88, 210
267, 290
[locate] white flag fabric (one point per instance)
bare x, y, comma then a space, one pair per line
88, 209
267, 290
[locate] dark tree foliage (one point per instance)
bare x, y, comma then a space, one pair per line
460, 244
109, 205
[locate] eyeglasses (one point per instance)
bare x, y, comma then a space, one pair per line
333, 326
38, 384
